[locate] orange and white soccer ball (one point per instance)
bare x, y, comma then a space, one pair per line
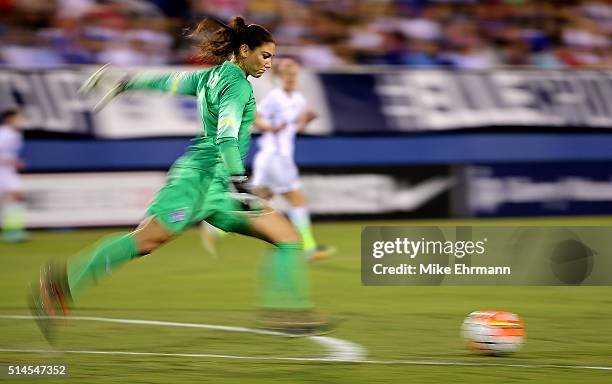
493, 332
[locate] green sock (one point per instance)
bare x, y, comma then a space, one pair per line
13, 217
284, 279
300, 218
104, 259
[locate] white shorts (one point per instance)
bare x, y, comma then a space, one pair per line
9, 181
276, 172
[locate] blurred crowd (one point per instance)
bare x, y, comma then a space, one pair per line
418, 33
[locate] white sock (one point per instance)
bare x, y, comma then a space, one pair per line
300, 217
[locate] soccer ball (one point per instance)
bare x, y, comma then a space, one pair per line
493, 332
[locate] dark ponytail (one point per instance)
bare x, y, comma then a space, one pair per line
219, 41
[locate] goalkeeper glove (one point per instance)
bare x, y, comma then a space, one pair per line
242, 193
103, 78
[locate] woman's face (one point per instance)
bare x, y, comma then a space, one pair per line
257, 61
289, 71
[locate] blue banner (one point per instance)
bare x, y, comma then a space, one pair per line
437, 100
353, 103
361, 101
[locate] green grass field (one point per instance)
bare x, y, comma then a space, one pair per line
410, 325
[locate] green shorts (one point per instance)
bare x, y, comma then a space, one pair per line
191, 195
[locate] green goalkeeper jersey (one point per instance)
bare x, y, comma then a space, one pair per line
226, 106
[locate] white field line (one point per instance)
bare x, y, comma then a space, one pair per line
338, 349
341, 351
313, 359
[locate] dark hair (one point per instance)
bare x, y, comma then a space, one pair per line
220, 40
7, 114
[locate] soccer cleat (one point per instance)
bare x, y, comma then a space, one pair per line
209, 238
320, 252
51, 298
295, 323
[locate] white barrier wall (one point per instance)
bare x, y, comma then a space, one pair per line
121, 198
89, 199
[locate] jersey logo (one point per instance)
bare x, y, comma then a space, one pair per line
229, 121
178, 215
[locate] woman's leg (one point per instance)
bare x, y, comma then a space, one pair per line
113, 252
272, 227
284, 281
283, 274
263, 192
284, 292
173, 209
59, 283
300, 217
12, 215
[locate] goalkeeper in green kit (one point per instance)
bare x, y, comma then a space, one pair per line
198, 185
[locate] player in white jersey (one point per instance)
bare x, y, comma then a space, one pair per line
282, 114
12, 209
